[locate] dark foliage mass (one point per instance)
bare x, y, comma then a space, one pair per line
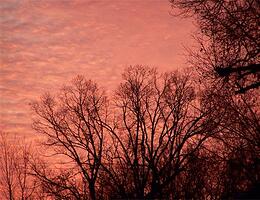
229, 38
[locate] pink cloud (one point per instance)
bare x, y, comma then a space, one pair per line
46, 43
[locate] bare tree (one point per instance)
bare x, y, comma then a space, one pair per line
238, 153
229, 39
15, 179
230, 52
159, 126
155, 126
70, 121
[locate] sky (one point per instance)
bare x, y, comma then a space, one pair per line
45, 43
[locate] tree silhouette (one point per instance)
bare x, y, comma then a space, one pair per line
140, 150
16, 181
71, 124
239, 140
160, 126
229, 39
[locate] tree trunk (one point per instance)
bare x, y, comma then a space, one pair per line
92, 191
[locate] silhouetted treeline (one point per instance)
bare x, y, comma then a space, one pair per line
176, 135
158, 137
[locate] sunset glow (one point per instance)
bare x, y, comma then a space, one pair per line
46, 43
129, 99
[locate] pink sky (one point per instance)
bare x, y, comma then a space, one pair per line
44, 43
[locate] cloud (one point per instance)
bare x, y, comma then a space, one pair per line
46, 43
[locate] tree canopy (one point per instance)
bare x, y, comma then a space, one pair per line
229, 39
